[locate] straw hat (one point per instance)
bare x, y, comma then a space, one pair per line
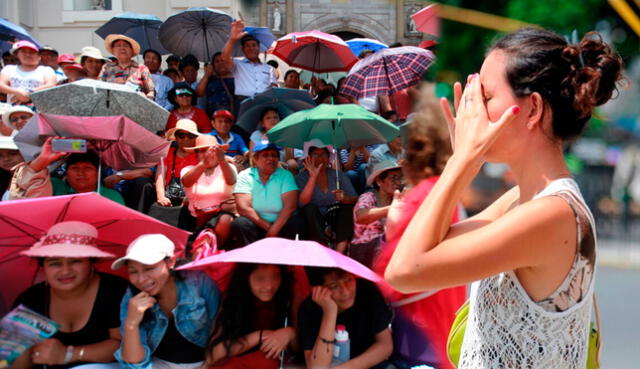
91, 52
147, 249
14, 109
380, 168
182, 125
203, 141
108, 42
68, 240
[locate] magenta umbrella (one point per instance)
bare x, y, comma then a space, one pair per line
23, 222
315, 51
120, 142
281, 251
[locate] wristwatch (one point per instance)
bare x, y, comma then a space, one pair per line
120, 174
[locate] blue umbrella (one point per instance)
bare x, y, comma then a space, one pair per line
357, 45
198, 31
285, 100
262, 34
143, 28
10, 33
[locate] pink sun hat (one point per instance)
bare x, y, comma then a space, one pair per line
68, 240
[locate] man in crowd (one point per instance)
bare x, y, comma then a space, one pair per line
163, 84
251, 75
49, 58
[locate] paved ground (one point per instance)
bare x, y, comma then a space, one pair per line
618, 295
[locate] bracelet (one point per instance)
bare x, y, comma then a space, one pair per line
328, 342
68, 355
81, 354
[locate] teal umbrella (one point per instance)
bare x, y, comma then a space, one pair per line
343, 126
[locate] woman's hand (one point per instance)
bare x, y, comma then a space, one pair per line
274, 342
164, 201
21, 96
339, 194
49, 352
112, 180
474, 133
311, 168
137, 306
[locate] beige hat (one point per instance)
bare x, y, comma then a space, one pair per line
183, 125
14, 109
68, 240
90, 52
203, 141
147, 249
380, 168
108, 42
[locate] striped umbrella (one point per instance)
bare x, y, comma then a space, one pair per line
387, 71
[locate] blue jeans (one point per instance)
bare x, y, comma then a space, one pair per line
358, 177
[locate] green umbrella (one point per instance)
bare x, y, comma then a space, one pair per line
343, 126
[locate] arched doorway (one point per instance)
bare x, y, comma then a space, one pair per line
347, 35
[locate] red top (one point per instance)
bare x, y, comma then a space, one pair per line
433, 315
402, 104
195, 114
190, 159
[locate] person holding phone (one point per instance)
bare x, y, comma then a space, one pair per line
31, 178
166, 316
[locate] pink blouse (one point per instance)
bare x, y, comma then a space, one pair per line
208, 191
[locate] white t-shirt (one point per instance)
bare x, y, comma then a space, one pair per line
26, 80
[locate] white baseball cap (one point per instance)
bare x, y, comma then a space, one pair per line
147, 249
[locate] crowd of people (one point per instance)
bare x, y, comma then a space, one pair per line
393, 207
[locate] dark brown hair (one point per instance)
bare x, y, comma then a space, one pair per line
571, 78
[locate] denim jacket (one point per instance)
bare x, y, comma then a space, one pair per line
198, 299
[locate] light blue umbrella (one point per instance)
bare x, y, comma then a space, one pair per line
143, 28
357, 45
262, 34
198, 31
285, 100
10, 33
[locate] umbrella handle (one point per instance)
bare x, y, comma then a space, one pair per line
335, 153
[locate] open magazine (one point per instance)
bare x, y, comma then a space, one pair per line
21, 329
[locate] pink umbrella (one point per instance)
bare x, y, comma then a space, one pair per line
315, 51
274, 250
427, 20
23, 222
120, 142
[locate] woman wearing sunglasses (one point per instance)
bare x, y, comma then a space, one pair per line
184, 98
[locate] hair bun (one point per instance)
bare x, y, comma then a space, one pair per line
594, 73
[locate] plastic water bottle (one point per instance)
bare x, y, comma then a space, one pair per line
341, 350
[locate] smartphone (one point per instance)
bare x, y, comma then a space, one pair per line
69, 145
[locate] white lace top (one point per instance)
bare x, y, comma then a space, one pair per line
507, 329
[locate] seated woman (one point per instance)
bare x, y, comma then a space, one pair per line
184, 99
292, 79
84, 302
9, 157
255, 323
327, 197
267, 198
218, 86
370, 211
124, 70
269, 118
338, 298
209, 186
166, 316
184, 135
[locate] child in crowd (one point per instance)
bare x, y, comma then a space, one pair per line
255, 324
19, 81
338, 298
222, 122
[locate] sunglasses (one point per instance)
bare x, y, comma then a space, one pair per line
184, 134
15, 118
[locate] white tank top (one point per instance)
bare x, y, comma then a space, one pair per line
507, 329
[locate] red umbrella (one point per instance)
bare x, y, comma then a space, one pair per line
427, 20
387, 71
315, 51
23, 222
